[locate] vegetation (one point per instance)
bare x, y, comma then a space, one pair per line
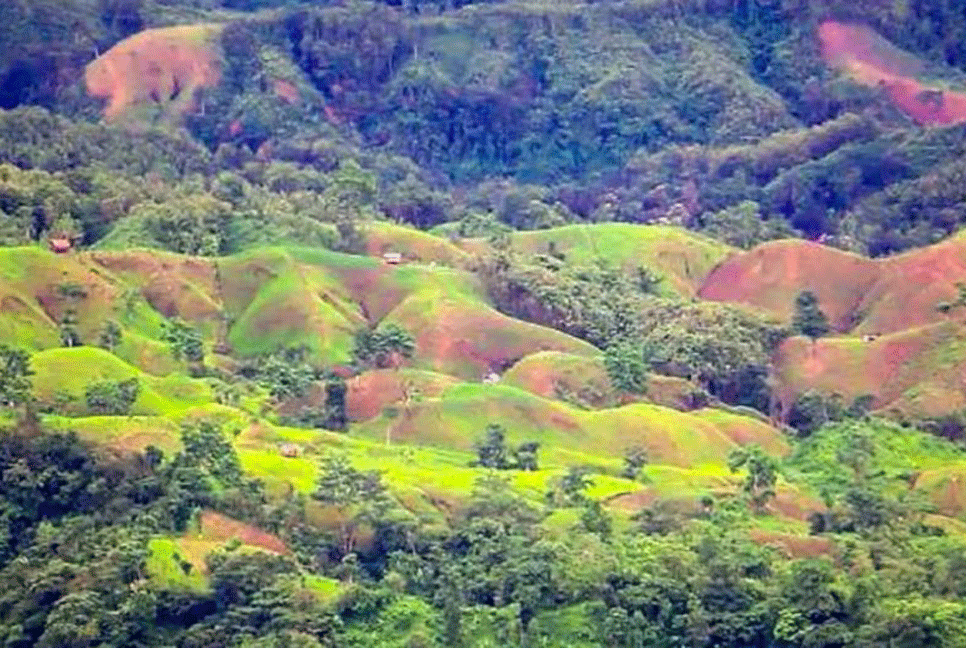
809, 319
465, 323
112, 398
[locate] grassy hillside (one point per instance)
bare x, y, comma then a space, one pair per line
570, 413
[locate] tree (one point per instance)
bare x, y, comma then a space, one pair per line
360, 497
809, 319
184, 340
286, 374
206, 447
635, 458
383, 347
525, 456
112, 398
491, 449
728, 351
69, 335
571, 487
15, 373
194, 224
762, 473
111, 336
335, 392
626, 368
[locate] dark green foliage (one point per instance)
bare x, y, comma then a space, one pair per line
184, 340
809, 319
725, 349
626, 368
361, 498
335, 392
286, 375
194, 225
742, 225
595, 302
383, 347
762, 473
15, 373
69, 334
492, 451
635, 458
206, 447
111, 336
112, 398
812, 410
571, 488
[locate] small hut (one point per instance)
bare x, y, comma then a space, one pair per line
60, 244
289, 450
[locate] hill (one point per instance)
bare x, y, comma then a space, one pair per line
465, 323
860, 295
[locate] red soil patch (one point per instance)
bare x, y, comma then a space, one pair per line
472, 340
287, 91
215, 526
791, 504
911, 285
166, 67
885, 368
552, 375
872, 61
676, 393
373, 289
771, 276
373, 391
633, 502
794, 546
173, 285
866, 296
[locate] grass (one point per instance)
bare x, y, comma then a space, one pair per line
167, 564
911, 373
413, 244
127, 433
554, 374
683, 258
69, 371
301, 305
461, 413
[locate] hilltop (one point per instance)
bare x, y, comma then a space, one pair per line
462, 324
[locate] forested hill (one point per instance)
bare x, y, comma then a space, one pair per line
455, 324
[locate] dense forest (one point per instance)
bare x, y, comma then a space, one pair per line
478, 323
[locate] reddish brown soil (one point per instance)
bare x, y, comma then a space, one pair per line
771, 276
794, 546
287, 91
172, 284
872, 61
215, 526
371, 392
866, 296
167, 67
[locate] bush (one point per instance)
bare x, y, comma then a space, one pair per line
112, 398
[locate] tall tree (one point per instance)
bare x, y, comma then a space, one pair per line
15, 375
762, 473
809, 319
